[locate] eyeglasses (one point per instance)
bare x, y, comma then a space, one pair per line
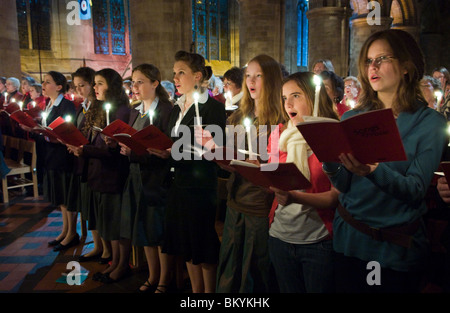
378, 61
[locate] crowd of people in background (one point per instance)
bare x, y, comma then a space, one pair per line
273, 240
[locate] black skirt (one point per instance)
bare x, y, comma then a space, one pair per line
190, 224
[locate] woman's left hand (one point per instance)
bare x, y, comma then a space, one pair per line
110, 142
356, 167
283, 197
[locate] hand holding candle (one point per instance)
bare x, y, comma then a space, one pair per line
107, 108
317, 82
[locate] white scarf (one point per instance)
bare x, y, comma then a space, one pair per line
292, 142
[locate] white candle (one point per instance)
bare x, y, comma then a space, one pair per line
44, 119
20, 104
68, 118
438, 95
197, 114
247, 123
33, 103
13, 100
5, 94
107, 108
317, 82
151, 116
228, 97
73, 97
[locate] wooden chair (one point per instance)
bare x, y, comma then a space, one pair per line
15, 150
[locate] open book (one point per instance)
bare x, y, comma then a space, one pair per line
137, 141
64, 131
15, 113
371, 137
285, 176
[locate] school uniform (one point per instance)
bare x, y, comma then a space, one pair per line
145, 192
77, 188
192, 200
57, 162
105, 174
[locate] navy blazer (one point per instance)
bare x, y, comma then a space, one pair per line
56, 155
196, 173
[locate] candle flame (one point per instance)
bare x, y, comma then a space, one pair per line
317, 80
68, 118
107, 106
247, 122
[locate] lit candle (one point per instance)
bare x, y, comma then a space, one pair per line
33, 103
352, 103
228, 97
127, 92
151, 116
5, 94
107, 108
438, 95
44, 119
247, 123
68, 118
20, 104
73, 97
13, 100
197, 114
317, 82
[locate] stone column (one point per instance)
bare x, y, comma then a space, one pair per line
328, 37
9, 41
360, 30
261, 29
158, 31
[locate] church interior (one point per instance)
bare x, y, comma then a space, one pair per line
38, 36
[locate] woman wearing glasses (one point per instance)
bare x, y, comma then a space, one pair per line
381, 205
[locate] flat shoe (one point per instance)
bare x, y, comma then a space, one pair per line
105, 260
97, 276
149, 288
54, 242
73, 242
83, 258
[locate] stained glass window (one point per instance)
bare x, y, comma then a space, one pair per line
100, 21
34, 16
210, 28
117, 20
302, 33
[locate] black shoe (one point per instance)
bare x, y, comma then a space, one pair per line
106, 279
97, 276
149, 288
83, 258
54, 242
105, 260
73, 242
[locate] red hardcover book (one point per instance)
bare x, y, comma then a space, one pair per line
284, 176
138, 141
371, 137
20, 116
35, 112
69, 134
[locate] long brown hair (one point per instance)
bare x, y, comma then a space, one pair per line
305, 81
270, 110
407, 52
